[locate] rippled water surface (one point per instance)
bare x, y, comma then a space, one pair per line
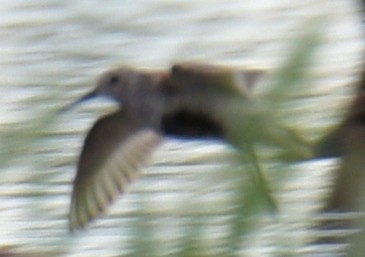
51, 52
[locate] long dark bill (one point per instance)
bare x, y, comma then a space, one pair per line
86, 97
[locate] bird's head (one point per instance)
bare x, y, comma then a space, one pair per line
117, 84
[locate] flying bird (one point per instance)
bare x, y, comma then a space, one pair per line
190, 101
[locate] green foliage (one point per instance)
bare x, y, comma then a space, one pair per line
293, 74
252, 195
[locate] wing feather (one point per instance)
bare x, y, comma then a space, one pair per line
213, 79
114, 152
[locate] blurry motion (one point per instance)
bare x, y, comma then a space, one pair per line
347, 141
190, 101
345, 138
11, 251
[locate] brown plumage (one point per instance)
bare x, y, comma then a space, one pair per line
190, 101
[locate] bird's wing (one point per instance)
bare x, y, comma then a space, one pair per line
222, 80
114, 151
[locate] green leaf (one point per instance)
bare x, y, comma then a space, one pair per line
294, 71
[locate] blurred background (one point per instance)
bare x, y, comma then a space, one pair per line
186, 204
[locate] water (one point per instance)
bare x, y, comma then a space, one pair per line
51, 51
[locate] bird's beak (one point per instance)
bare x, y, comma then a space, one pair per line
86, 97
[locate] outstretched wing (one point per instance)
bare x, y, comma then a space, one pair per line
113, 153
195, 77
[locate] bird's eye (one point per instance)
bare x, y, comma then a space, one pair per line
113, 80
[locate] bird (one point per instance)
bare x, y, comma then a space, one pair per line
189, 101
